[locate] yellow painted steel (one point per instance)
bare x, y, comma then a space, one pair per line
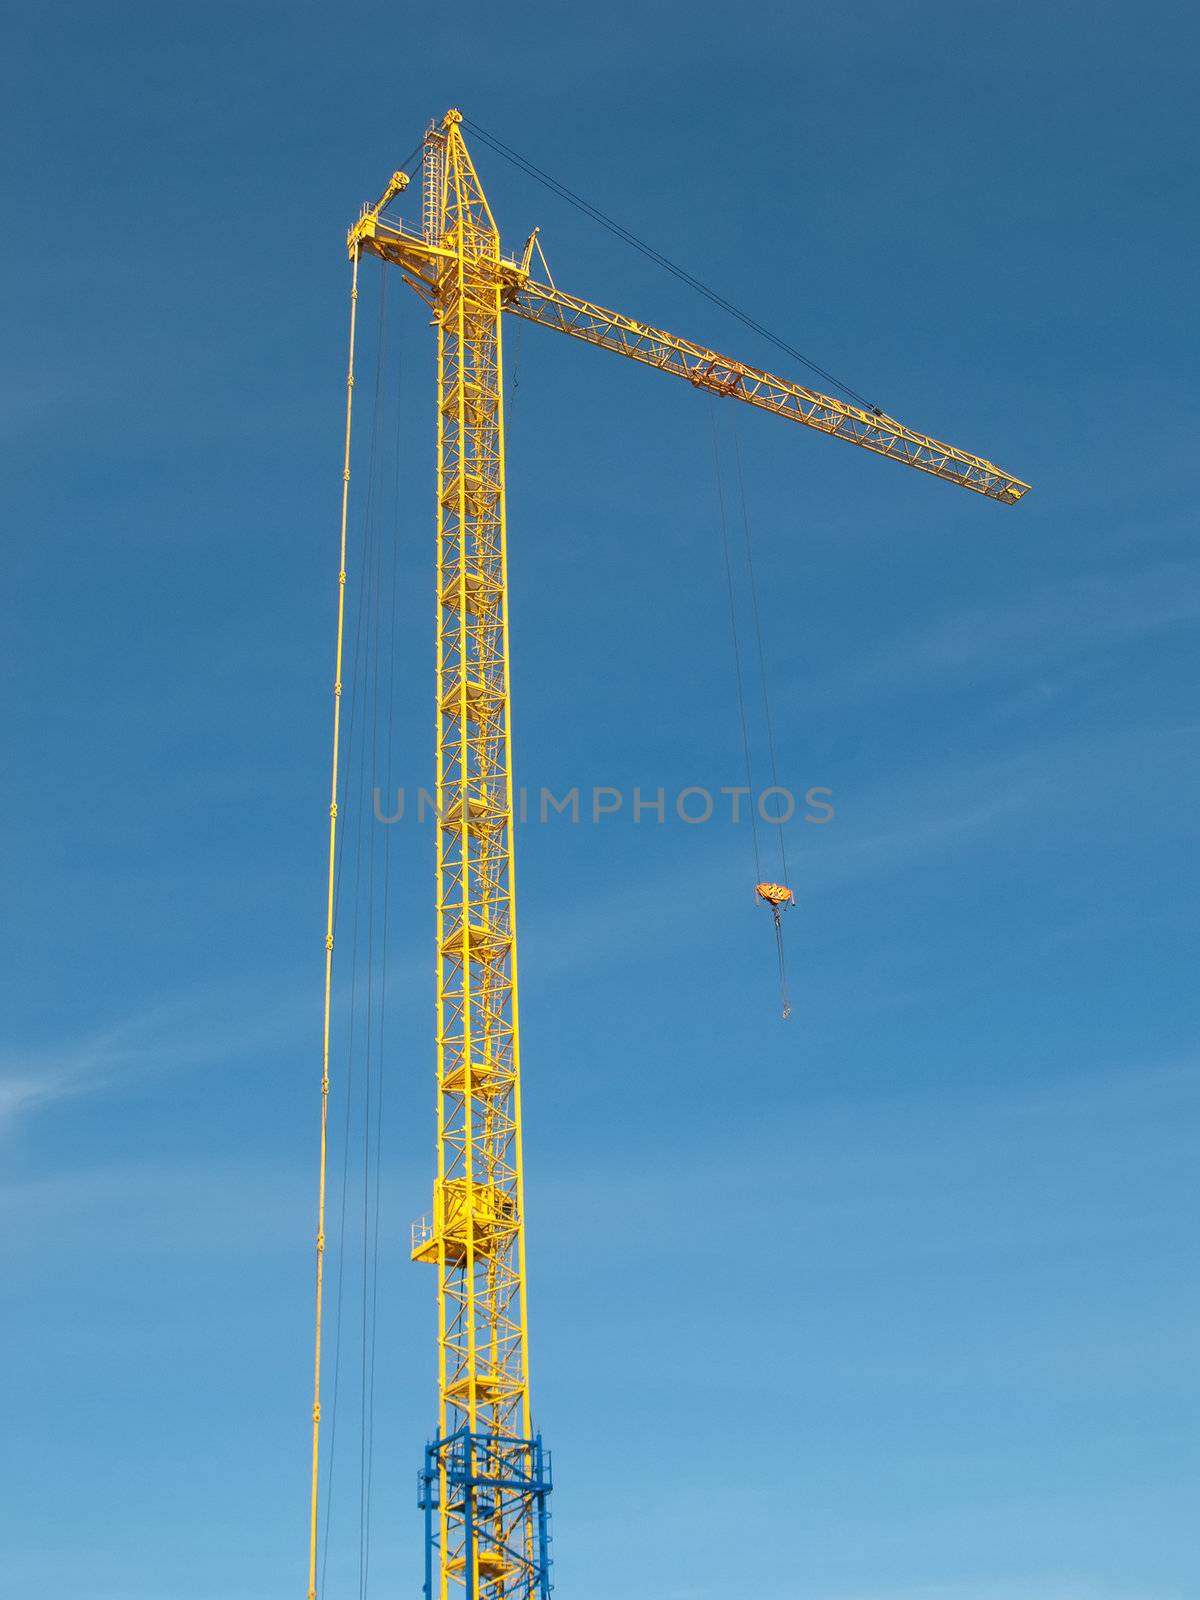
543, 303
329, 919
478, 1236
539, 302
475, 1234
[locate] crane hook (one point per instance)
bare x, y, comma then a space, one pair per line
778, 895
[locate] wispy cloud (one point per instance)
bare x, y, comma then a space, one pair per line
210, 1026
1027, 1587
37, 1076
1139, 1119
179, 1032
1088, 614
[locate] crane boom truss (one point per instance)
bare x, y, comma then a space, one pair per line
541, 303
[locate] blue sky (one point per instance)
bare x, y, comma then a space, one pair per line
894, 1301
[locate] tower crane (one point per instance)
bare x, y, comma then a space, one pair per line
485, 1478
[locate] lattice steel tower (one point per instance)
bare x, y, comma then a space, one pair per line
486, 1476
485, 1479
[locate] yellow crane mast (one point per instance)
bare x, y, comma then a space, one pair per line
486, 1477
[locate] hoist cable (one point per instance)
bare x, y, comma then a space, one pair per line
783, 983
740, 676
564, 193
410, 166
328, 984
758, 634
733, 629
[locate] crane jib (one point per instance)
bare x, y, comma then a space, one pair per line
550, 307
540, 303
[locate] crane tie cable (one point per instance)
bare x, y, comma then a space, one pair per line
564, 193
410, 166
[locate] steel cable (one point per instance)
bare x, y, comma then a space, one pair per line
684, 276
387, 849
355, 765
762, 660
733, 629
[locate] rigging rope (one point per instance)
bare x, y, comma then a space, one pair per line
411, 168
673, 267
